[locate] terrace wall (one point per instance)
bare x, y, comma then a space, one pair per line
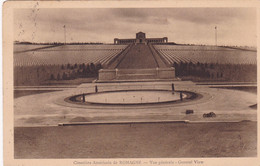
130, 74
107, 74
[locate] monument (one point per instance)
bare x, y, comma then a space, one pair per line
138, 61
141, 38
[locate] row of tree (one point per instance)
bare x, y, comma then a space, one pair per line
58, 43
215, 71
73, 71
202, 70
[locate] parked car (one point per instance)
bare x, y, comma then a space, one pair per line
208, 115
189, 111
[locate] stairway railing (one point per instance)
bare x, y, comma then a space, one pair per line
119, 57
157, 52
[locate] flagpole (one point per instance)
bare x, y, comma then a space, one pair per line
64, 33
216, 39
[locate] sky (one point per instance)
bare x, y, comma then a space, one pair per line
235, 26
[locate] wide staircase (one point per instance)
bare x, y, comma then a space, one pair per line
137, 62
138, 57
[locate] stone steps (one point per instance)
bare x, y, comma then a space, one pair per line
135, 76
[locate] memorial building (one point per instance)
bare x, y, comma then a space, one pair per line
138, 61
141, 38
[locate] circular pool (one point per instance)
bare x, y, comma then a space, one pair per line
133, 97
128, 97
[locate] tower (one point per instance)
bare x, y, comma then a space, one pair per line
140, 37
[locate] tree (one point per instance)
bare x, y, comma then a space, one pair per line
78, 72
52, 77
64, 76
198, 63
208, 74
68, 66
73, 74
175, 64
80, 66
92, 68
83, 65
98, 67
87, 71
58, 76
190, 64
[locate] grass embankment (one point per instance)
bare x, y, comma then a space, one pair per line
20, 93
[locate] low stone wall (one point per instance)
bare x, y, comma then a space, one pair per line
166, 73
107, 74
129, 74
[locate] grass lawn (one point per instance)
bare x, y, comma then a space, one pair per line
154, 140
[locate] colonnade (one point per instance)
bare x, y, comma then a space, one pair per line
147, 40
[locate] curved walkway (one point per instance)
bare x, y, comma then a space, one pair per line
50, 108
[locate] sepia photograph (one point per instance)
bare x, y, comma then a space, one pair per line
132, 83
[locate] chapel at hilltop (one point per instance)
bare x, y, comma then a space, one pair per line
141, 38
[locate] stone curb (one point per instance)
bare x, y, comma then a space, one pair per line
146, 122
122, 122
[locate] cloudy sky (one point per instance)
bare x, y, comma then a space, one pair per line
235, 26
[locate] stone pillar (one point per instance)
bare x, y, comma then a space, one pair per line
96, 89
116, 72
165, 40
115, 40
83, 97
